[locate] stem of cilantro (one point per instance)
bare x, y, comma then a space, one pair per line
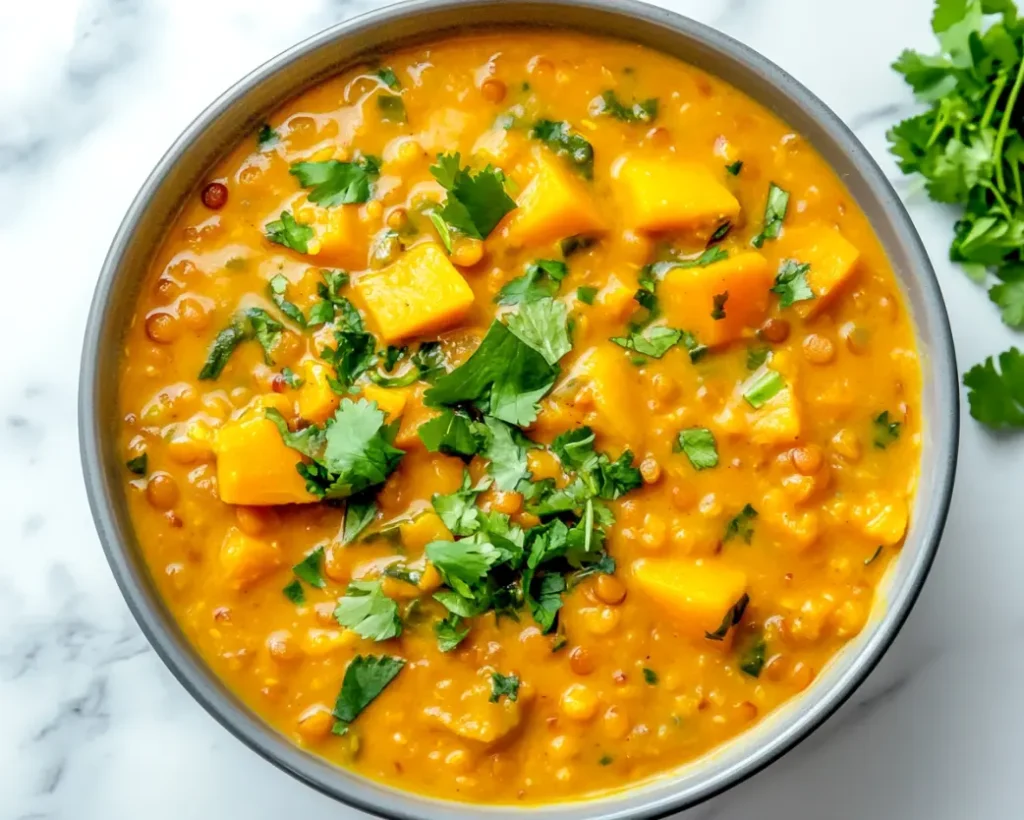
997, 92
1004, 125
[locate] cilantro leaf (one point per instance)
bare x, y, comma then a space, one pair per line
505, 449
458, 510
366, 610
699, 445
996, 396
387, 76
545, 598
450, 632
543, 324
741, 525
253, 323
762, 387
735, 168
266, 137
476, 203
791, 283
309, 569
774, 213
391, 108
650, 677
1009, 296
718, 305
731, 619
540, 280
336, 183
757, 355
277, 288
586, 294
452, 433
652, 341
430, 360
352, 356
504, 685
365, 678
566, 143
609, 104
601, 477
462, 563
505, 377
286, 231
752, 658
360, 511
139, 464
885, 430
294, 593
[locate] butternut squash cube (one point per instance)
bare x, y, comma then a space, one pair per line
255, 467
472, 715
423, 529
420, 293
605, 375
317, 401
692, 297
389, 399
697, 595
832, 259
672, 195
554, 205
246, 560
615, 301
338, 238
415, 413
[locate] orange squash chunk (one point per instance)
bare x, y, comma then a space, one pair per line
245, 559
554, 205
391, 400
833, 262
420, 293
688, 297
317, 401
255, 467
669, 195
697, 596
339, 239
604, 373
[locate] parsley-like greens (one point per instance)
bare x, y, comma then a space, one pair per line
450, 632
266, 137
752, 657
586, 294
387, 76
791, 283
138, 465
504, 685
277, 288
608, 103
699, 445
309, 569
996, 395
774, 213
365, 678
476, 203
718, 305
391, 108
360, 511
333, 182
543, 325
252, 323
731, 619
294, 592
286, 231
741, 525
652, 341
734, 168
540, 280
886, 431
650, 677
452, 433
762, 387
565, 142
366, 610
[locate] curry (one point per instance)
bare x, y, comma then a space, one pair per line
520, 416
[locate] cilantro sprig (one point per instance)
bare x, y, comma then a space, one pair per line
476, 202
333, 182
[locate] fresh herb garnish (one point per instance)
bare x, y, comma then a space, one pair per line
505, 449
391, 108
360, 511
365, 678
650, 677
734, 168
757, 355
388, 77
699, 445
720, 233
997, 396
138, 465
476, 203
366, 610
291, 378
294, 593
791, 283
252, 323
309, 569
333, 182
774, 213
540, 280
286, 231
605, 760
452, 433
886, 431
277, 288
450, 632
762, 387
565, 142
543, 325
353, 355
871, 559
731, 619
752, 658
266, 137
351, 452
741, 525
507, 685
652, 341
608, 103
586, 294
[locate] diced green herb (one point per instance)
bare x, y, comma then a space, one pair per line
476, 203
731, 619
252, 323
452, 433
707, 257
720, 233
718, 305
762, 387
292, 379
365, 678
286, 231
391, 108
505, 449
360, 511
741, 525
735, 168
699, 445
333, 182
871, 559
309, 569
652, 341
388, 77
458, 510
366, 610
609, 104
277, 288
565, 142
752, 658
266, 137
559, 643
774, 213
757, 355
294, 593
791, 283
650, 677
996, 396
138, 465
353, 355
450, 632
586, 294
885, 430
430, 361
541, 280
605, 760
507, 685
462, 563
693, 347
543, 325
575, 244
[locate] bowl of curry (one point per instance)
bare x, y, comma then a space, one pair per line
519, 406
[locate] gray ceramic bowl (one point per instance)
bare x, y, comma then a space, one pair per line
240, 110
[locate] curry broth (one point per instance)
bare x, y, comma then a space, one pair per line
624, 687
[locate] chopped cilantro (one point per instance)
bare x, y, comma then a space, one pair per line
774, 213
252, 323
605, 760
351, 452
707, 257
752, 658
609, 104
352, 356
360, 511
476, 203
266, 137
735, 168
586, 294
365, 678
543, 325
462, 564
277, 288
458, 510
540, 280
574, 244
762, 387
452, 433
720, 233
309, 569
718, 305
741, 525
391, 108
138, 464
505, 449
294, 593
450, 632
387, 76
291, 378
699, 445
333, 182
286, 231
652, 341
507, 685
366, 610
757, 355
885, 431
566, 143
650, 677
996, 396
430, 361
791, 283
731, 619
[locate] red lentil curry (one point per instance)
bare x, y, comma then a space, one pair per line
520, 416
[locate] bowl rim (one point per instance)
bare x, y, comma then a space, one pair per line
341, 784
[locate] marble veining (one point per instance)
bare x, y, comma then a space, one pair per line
91, 93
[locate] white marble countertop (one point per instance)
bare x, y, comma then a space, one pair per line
92, 93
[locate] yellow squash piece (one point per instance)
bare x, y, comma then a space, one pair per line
668, 195
554, 205
420, 293
605, 374
246, 560
423, 529
317, 401
833, 262
391, 400
339, 240
255, 467
697, 595
775, 422
688, 298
